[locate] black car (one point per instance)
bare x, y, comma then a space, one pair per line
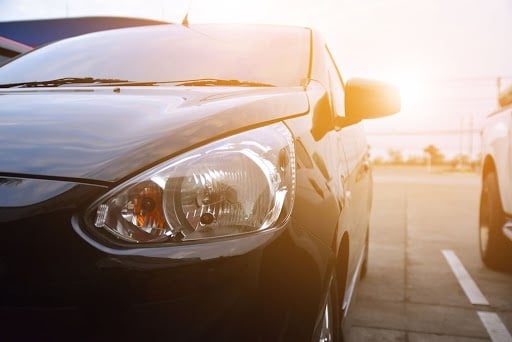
181, 183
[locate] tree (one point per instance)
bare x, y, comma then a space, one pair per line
436, 157
378, 161
415, 160
395, 156
460, 159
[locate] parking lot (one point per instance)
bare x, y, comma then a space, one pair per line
423, 224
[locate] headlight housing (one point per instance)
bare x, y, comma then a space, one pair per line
237, 185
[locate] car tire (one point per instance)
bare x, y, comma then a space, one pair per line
330, 325
364, 265
495, 248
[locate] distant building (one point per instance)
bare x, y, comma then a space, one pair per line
38, 32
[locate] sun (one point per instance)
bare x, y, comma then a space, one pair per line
411, 90
413, 86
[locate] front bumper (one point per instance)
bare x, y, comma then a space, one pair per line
54, 286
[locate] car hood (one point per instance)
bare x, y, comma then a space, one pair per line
107, 134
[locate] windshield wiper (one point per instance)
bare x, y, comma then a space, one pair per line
91, 81
62, 81
219, 82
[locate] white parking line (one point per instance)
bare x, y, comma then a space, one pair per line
495, 327
472, 291
491, 321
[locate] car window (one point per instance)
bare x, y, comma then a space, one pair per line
336, 88
3, 58
6, 54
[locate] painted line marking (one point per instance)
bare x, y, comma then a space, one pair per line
495, 327
467, 283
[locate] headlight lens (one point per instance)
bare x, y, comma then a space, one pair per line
241, 184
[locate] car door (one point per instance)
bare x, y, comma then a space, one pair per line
354, 173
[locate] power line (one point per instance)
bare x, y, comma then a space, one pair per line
485, 78
436, 132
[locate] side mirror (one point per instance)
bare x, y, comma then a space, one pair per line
369, 99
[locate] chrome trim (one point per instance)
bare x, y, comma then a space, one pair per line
234, 246
507, 229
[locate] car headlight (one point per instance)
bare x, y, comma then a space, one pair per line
237, 185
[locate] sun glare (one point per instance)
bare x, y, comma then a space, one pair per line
413, 86
411, 90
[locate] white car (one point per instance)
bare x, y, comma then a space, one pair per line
496, 197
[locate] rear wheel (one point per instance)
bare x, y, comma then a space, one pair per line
495, 248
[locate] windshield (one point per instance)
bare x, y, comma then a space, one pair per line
167, 53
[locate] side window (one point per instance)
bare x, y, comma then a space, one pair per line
3, 59
336, 90
6, 54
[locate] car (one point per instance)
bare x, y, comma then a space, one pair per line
495, 223
186, 183
10, 49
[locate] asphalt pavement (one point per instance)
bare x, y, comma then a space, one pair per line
425, 280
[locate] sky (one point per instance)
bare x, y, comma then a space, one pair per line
445, 55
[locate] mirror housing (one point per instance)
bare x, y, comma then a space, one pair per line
369, 99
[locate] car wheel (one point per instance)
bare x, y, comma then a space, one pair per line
330, 324
364, 266
495, 248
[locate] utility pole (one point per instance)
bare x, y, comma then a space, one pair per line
461, 138
471, 119
498, 85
